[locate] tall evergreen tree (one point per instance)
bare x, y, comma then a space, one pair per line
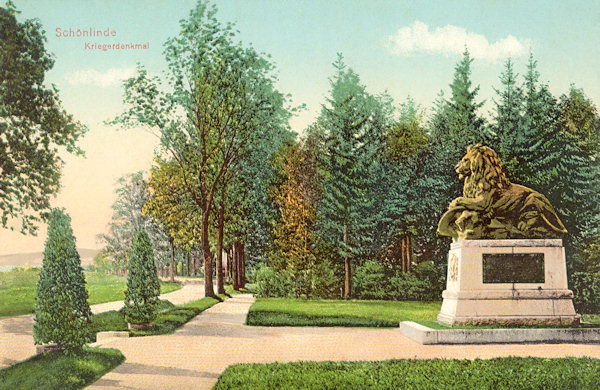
62, 312
465, 125
454, 125
578, 181
549, 145
511, 138
143, 287
353, 122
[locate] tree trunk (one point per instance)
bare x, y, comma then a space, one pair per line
348, 276
220, 284
409, 253
234, 266
230, 263
196, 255
403, 254
208, 277
189, 263
243, 267
172, 259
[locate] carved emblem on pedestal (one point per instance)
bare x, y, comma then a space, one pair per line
453, 267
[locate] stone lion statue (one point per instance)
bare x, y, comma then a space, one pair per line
494, 208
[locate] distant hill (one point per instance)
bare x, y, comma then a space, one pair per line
34, 259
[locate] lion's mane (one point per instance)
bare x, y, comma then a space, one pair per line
486, 171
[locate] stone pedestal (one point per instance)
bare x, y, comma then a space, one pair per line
510, 282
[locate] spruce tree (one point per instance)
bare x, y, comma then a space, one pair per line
62, 312
454, 125
465, 126
143, 287
353, 123
511, 138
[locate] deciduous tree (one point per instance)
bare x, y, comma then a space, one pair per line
34, 128
221, 96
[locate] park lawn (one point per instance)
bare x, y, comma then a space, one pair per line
169, 319
55, 370
369, 313
18, 289
499, 373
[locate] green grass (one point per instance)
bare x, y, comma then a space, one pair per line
499, 373
300, 312
169, 319
55, 370
18, 289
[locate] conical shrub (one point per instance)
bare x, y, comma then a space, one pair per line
62, 312
143, 286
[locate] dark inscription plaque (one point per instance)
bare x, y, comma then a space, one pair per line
513, 268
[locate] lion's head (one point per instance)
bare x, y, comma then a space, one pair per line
482, 170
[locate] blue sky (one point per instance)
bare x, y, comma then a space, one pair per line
404, 47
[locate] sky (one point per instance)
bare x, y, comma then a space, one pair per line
407, 48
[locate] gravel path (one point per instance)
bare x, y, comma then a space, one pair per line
16, 333
197, 354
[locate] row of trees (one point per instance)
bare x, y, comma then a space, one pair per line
368, 182
219, 117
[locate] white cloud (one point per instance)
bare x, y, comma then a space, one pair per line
110, 77
450, 40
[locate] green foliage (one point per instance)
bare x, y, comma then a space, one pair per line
301, 312
133, 193
586, 292
33, 124
58, 371
551, 146
270, 283
324, 284
220, 98
62, 313
373, 281
580, 120
465, 126
353, 124
407, 138
143, 287
409, 287
499, 373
